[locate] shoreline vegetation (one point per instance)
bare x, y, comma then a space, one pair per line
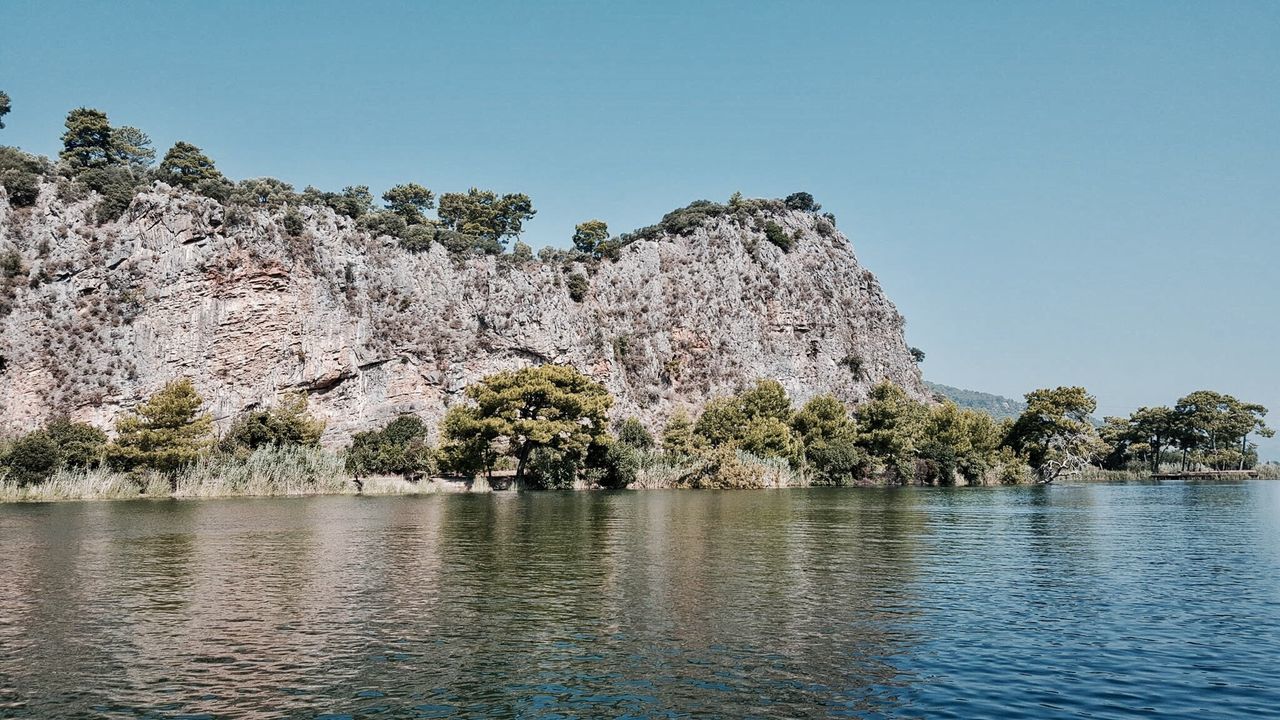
311, 472
546, 428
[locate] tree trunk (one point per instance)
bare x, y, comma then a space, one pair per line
523, 456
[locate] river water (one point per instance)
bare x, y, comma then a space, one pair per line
1101, 601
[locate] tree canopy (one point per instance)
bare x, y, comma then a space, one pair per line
485, 214
187, 165
400, 448
588, 235
518, 411
286, 424
1055, 432
165, 433
87, 142
410, 201
132, 148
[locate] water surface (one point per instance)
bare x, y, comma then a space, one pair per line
1101, 601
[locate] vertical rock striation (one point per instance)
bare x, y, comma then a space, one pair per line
98, 317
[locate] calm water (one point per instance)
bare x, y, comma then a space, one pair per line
1103, 601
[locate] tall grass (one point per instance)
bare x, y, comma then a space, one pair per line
81, 484
266, 472
659, 470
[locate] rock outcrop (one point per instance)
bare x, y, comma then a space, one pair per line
95, 318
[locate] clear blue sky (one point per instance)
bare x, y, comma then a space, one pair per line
1053, 193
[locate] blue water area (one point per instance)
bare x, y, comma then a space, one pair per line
1072, 601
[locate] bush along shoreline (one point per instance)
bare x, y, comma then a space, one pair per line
547, 428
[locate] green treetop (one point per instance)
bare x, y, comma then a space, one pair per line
1213, 429
87, 141
588, 235
485, 214
889, 426
4, 107
756, 420
1054, 432
410, 201
166, 433
549, 406
187, 165
132, 148
633, 433
677, 436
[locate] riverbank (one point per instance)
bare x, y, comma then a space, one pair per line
305, 472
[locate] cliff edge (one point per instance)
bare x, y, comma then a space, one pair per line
93, 318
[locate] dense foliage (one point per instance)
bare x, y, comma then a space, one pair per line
514, 413
399, 448
1203, 429
287, 424
165, 433
61, 443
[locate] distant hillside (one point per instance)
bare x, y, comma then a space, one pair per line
994, 405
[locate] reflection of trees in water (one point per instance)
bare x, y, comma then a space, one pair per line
816, 585
594, 603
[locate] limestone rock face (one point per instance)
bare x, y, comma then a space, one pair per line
98, 317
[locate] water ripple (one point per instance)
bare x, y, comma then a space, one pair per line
1100, 601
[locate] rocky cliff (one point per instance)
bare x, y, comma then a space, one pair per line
95, 318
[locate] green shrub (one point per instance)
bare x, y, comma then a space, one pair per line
459, 244
354, 201
550, 469
36, 456
612, 464
80, 445
856, 366
32, 458
265, 192
774, 233
577, 285
383, 222
117, 186
686, 219
287, 424
801, 201
724, 469
10, 264
293, 223
400, 448
417, 238
838, 462
633, 433
20, 175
